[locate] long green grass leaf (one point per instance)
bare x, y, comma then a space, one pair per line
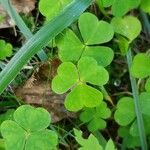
21, 25
137, 105
40, 39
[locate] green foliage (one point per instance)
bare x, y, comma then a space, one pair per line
106, 3
121, 7
102, 32
125, 113
95, 117
1, 19
147, 85
129, 141
5, 49
128, 26
7, 116
2, 144
87, 70
91, 142
27, 130
140, 65
126, 29
51, 8
145, 6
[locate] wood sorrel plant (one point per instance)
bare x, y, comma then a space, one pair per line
86, 53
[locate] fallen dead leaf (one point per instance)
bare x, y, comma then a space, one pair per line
37, 92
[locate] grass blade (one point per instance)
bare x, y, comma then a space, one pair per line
21, 25
40, 39
137, 105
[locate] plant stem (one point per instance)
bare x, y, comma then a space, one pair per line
146, 22
137, 104
106, 95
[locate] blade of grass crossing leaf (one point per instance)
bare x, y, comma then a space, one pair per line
21, 25
146, 22
40, 39
137, 105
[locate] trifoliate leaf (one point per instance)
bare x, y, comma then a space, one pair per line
129, 26
87, 144
95, 117
51, 8
75, 78
140, 66
121, 7
70, 44
125, 112
83, 96
27, 131
66, 78
147, 85
5, 49
94, 31
90, 72
145, 6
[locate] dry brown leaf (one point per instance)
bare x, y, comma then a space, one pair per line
37, 92
22, 6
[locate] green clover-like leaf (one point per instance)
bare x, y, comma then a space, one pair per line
140, 65
125, 107
69, 43
83, 96
14, 134
95, 117
125, 112
66, 78
27, 131
129, 26
90, 72
94, 31
121, 7
145, 103
51, 8
75, 78
5, 49
87, 144
28, 118
134, 127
